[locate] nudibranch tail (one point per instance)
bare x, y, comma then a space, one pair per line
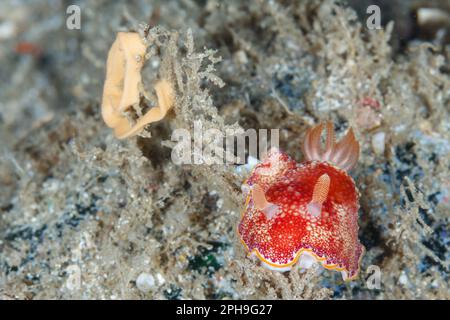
320, 194
343, 154
261, 203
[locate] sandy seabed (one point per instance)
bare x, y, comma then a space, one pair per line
84, 215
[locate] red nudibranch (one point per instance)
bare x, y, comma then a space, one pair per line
305, 213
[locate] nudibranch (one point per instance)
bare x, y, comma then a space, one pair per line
121, 89
301, 214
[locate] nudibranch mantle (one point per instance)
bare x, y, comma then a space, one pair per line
307, 212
